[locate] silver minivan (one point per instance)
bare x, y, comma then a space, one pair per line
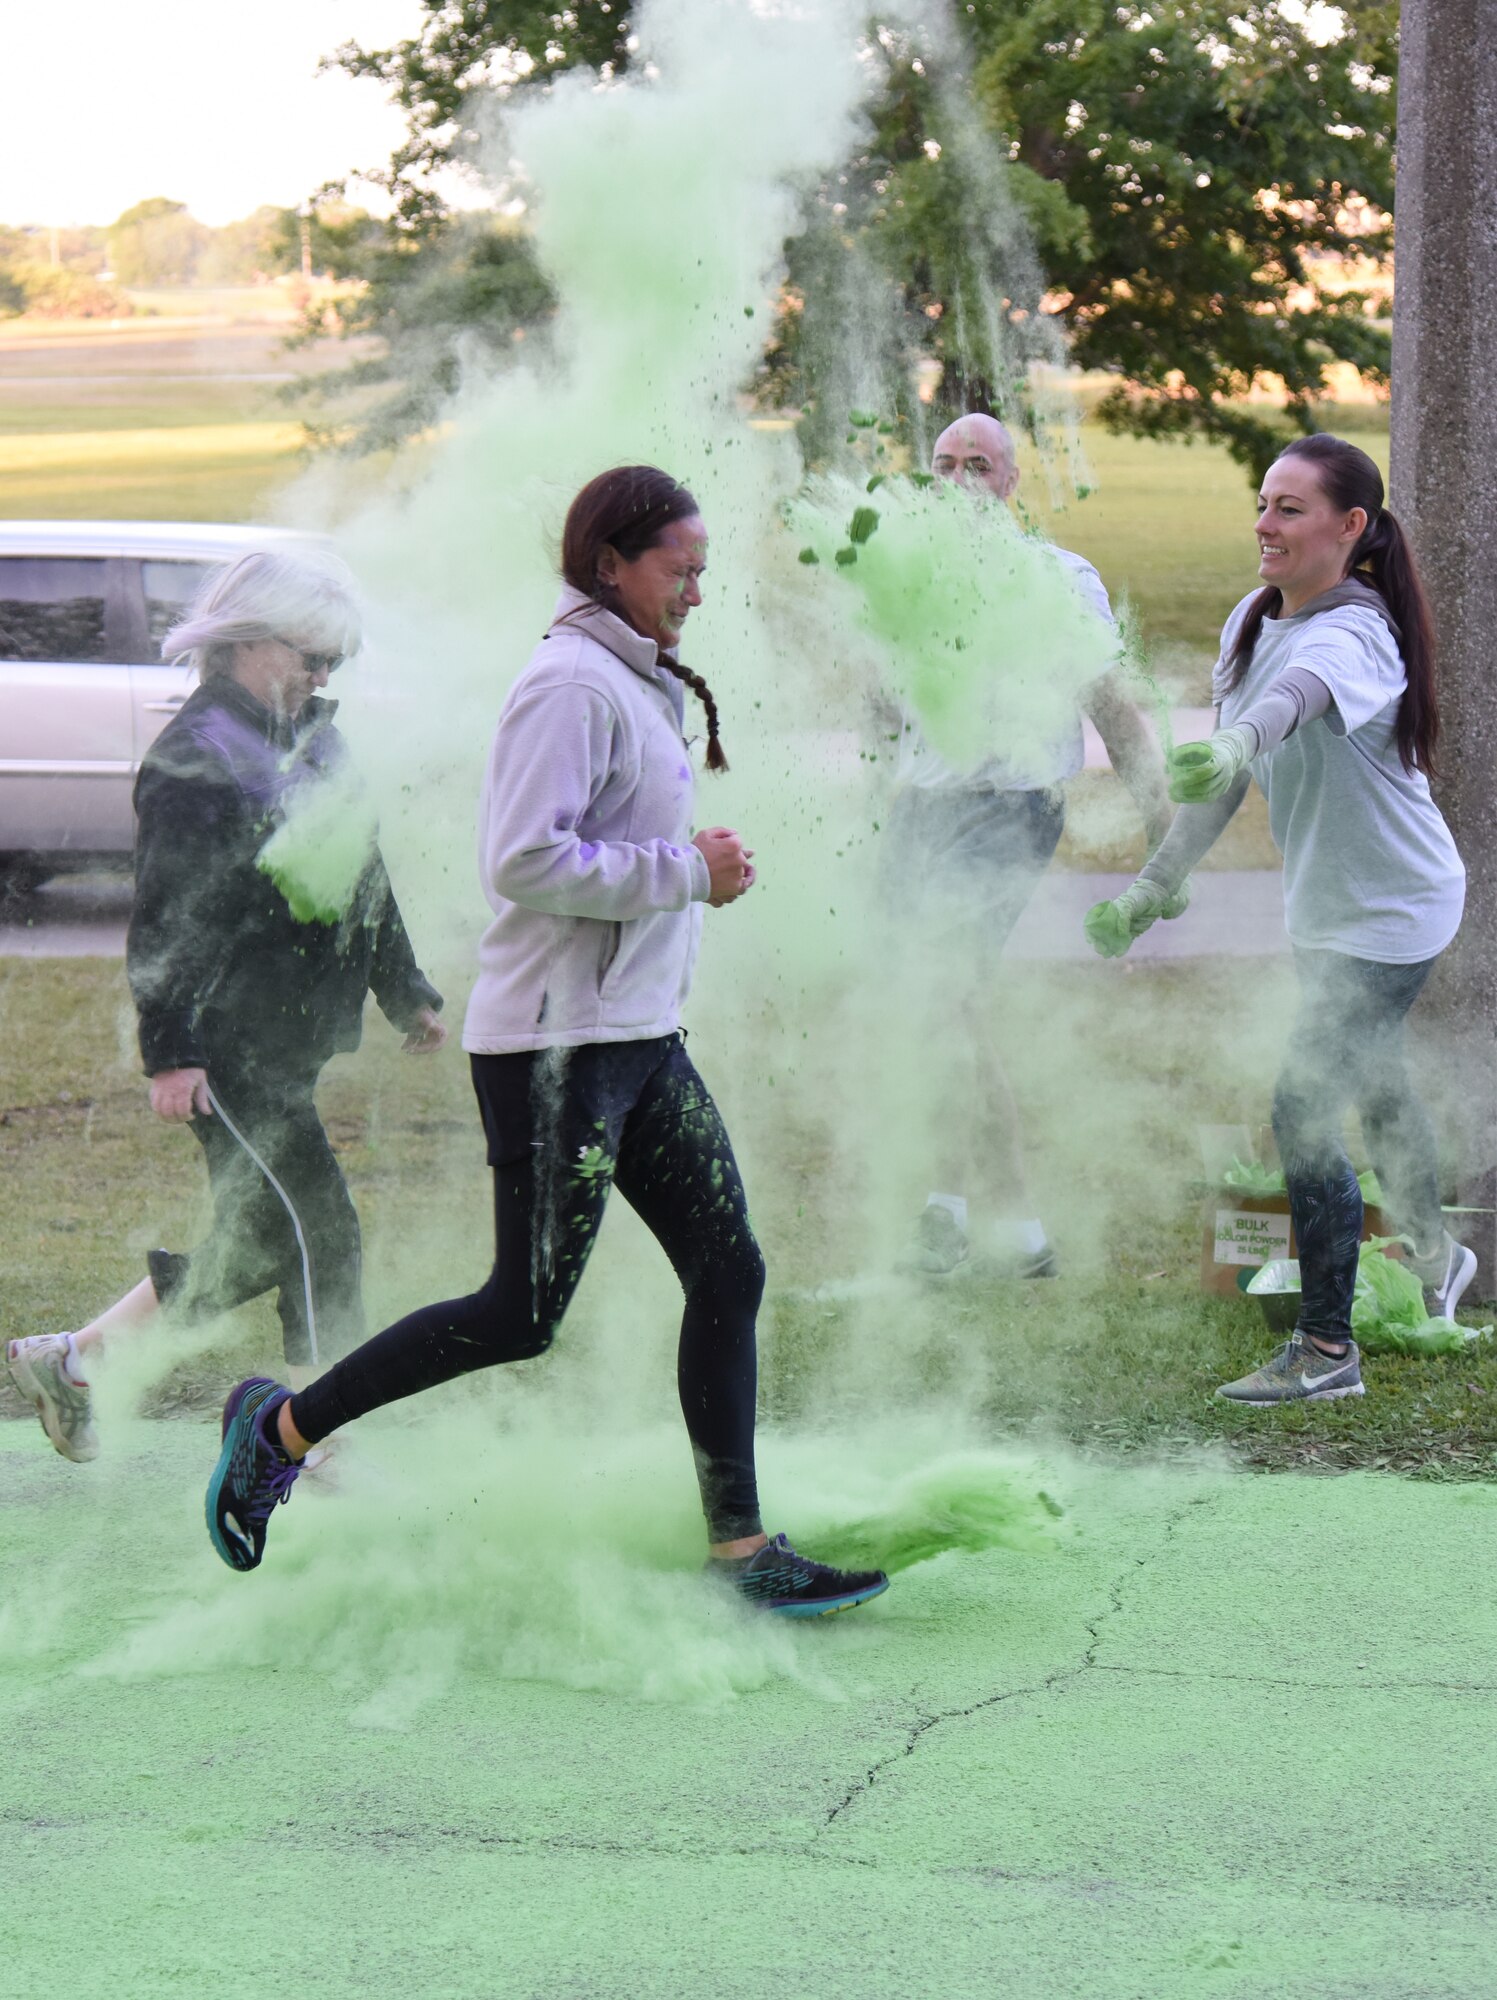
84, 606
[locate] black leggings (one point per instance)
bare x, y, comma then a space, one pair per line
563, 1126
283, 1219
1346, 1047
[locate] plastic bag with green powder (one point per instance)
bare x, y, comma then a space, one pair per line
1388, 1314
1253, 1178
318, 855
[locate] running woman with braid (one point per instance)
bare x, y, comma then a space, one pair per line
1326, 696
579, 1064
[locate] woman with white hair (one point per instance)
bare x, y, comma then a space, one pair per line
244, 987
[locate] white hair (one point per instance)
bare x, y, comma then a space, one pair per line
293, 591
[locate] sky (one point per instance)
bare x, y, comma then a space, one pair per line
103, 104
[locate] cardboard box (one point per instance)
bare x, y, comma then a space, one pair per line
1243, 1232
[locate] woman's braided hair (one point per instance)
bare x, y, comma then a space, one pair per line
628, 510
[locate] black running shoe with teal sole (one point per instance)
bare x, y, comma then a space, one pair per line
778, 1579
252, 1476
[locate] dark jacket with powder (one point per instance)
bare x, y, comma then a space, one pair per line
219, 968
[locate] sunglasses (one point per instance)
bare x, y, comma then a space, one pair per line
316, 663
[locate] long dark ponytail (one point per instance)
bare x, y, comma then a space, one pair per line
628, 510
1384, 560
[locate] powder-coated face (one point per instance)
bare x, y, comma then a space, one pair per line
977, 453
659, 589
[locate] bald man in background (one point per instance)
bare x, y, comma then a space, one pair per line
964, 852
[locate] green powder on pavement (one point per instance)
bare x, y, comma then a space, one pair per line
965, 1503
1037, 1774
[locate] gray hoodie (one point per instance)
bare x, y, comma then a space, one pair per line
584, 842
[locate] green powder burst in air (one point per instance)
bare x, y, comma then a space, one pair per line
970, 1501
949, 584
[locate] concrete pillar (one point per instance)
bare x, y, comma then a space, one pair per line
1444, 489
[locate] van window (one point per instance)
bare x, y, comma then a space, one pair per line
52, 608
169, 588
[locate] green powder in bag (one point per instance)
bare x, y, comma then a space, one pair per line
1388, 1313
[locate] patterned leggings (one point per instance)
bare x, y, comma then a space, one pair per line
564, 1126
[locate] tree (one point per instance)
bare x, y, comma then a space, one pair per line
263, 245
156, 243
463, 46
14, 253
1190, 169
457, 286
69, 289
1212, 157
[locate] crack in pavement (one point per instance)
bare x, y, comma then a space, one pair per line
917, 1732
1299, 1681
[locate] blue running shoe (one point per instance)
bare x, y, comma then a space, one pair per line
252, 1475
776, 1578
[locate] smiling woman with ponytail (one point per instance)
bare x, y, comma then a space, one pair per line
1382, 560
1326, 697
579, 1063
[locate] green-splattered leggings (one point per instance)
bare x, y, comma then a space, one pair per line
563, 1126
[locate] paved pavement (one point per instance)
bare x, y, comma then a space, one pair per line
69, 917
476, 1730
1235, 913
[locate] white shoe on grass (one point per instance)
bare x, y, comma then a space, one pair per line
44, 1370
938, 1245
1445, 1276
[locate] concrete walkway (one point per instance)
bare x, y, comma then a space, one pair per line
69, 917
1230, 1737
1235, 913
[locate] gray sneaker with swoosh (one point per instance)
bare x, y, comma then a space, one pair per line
1298, 1373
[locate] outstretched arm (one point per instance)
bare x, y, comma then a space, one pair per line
1194, 831
1134, 754
1199, 772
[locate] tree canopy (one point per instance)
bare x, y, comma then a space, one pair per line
156, 243
1193, 172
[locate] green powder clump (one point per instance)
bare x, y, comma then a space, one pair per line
319, 854
964, 1503
986, 640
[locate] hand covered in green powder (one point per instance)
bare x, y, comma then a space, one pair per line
1199, 772
1112, 927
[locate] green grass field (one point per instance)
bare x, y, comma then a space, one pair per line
1118, 1355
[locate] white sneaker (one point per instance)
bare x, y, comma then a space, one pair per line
39, 1367
1445, 1277
938, 1245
